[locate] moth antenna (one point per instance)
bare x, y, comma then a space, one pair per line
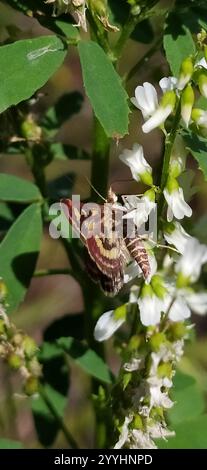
167, 247
125, 195
92, 186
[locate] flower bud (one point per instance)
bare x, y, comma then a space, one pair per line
17, 339
30, 130
137, 422
31, 386
165, 370
14, 361
126, 379
187, 100
186, 72
177, 330
201, 79
156, 341
29, 346
135, 342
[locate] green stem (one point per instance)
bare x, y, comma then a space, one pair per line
100, 161
98, 33
71, 441
169, 141
126, 32
143, 60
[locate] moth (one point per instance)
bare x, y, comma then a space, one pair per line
108, 249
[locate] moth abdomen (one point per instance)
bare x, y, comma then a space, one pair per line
138, 251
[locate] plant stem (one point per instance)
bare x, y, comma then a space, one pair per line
98, 33
143, 60
169, 141
71, 441
100, 161
126, 32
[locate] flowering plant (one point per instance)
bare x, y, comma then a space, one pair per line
128, 340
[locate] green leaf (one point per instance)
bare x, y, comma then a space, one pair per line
46, 425
188, 399
6, 216
10, 444
86, 358
34, 59
17, 189
68, 29
178, 43
191, 434
18, 254
104, 89
198, 148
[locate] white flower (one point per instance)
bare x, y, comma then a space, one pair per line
134, 292
106, 326
139, 167
124, 433
141, 440
190, 263
157, 397
177, 206
145, 99
168, 83
164, 109
150, 307
197, 302
179, 310
177, 236
131, 271
186, 72
158, 431
159, 116
139, 209
135, 364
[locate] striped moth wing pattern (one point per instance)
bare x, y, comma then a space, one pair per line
108, 250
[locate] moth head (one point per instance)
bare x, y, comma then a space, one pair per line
111, 197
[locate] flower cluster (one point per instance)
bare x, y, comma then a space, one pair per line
18, 350
158, 307
147, 393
